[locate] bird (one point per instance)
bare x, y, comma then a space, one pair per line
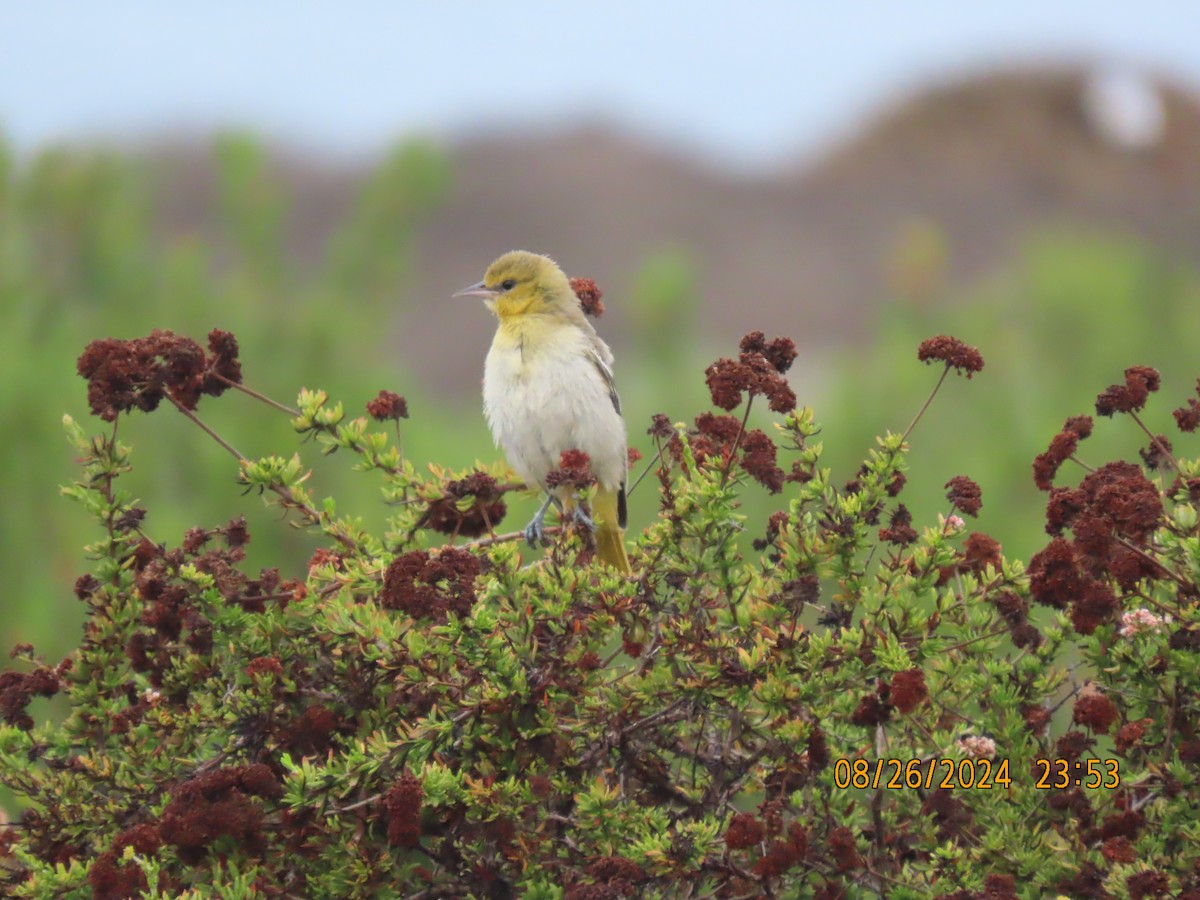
548, 388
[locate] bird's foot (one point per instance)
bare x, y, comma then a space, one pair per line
535, 531
580, 517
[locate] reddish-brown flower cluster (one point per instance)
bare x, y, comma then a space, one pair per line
818, 749
952, 817
804, 591
1188, 417
843, 850
784, 853
1094, 710
1062, 447
1054, 576
905, 692
1148, 883
743, 831
776, 522
1015, 612
138, 373
613, 877
954, 353
589, 296
313, 732
758, 370
171, 607
1056, 579
432, 585
1118, 850
264, 665
1112, 514
452, 514
964, 494
721, 438
1130, 734
1156, 455
980, 551
110, 879
574, 471
217, 804
899, 530
18, 690
908, 690
402, 806
1140, 383
661, 427
874, 708
387, 405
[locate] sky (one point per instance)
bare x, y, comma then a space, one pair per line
748, 83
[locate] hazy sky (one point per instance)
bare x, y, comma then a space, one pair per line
748, 82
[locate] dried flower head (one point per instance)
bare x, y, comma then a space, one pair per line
387, 405
123, 375
469, 506
899, 530
574, 471
908, 690
589, 296
1094, 710
1188, 417
758, 371
402, 807
965, 495
661, 427
1062, 448
1157, 455
954, 353
1140, 382
743, 831
426, 585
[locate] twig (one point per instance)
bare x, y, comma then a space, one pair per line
212, 434
646, 471
510, 536
737, 441
1157, 442
295, 413
921, 411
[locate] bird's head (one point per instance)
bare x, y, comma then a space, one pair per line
521, 284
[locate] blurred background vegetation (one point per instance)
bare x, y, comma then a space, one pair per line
997, 209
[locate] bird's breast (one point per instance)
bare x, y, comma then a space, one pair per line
542, 394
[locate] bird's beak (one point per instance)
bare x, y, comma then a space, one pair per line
479, 289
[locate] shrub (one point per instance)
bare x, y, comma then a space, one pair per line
424, 713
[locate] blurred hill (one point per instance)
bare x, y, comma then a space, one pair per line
934, 193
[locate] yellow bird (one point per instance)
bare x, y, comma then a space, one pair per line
548, 388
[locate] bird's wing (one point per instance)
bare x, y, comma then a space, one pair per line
605, 370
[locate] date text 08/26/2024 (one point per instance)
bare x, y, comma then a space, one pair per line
980, 774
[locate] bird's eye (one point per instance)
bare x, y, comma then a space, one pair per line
508, 284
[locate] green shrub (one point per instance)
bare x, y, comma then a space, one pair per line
428, 712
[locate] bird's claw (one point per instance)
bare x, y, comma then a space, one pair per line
535, 533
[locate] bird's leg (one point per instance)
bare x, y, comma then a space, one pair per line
582, 518
535, 531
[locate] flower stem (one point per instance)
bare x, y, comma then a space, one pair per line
921, 411
294, 413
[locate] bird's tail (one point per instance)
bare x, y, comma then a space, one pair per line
607, 507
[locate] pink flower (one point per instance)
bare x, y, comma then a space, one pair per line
974, 745
1139, 620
